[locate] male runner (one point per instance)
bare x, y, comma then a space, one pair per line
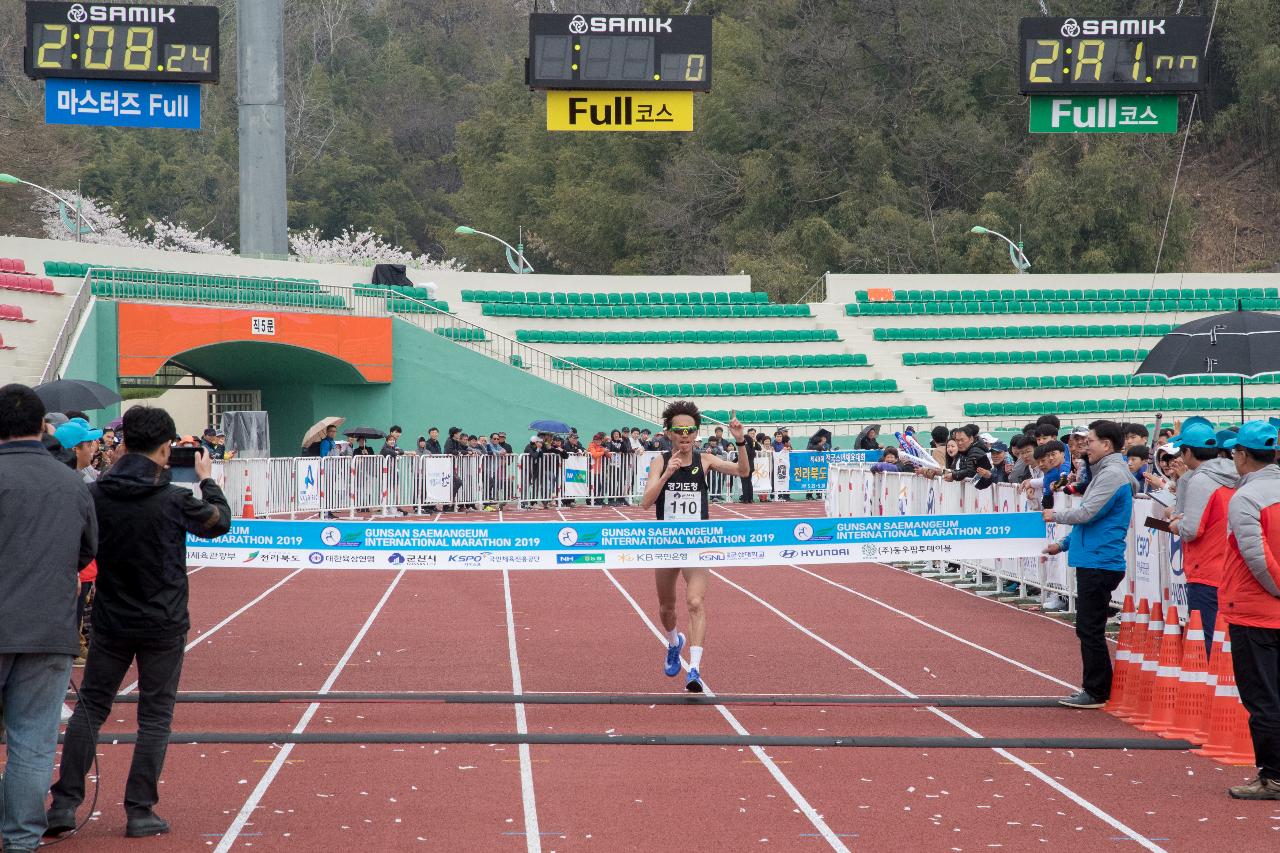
678, 486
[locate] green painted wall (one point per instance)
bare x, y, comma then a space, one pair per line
96, 354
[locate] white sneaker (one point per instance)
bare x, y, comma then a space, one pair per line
1055, 603
66, 713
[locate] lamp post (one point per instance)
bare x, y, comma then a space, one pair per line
10, 179
1016, 257
467, 231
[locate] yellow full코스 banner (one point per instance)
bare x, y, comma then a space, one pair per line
607, 110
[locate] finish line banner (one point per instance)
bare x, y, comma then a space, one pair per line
622, 545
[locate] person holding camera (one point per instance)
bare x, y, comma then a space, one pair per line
48, 532
140, 612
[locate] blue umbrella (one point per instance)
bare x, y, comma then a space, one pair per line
550, 426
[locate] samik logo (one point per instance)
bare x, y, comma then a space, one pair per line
126, 14
1127, 27
618, 24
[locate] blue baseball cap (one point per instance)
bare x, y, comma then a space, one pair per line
1196, 433
1254, 435
75, 432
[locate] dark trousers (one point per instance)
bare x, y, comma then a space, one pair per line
1093, 597
159, 666
1255, 654
1205, 599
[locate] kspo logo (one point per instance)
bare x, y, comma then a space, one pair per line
1131, 27
618, 24
128, 14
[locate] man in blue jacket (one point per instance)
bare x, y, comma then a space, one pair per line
1095, 548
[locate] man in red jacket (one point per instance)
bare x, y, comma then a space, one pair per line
1250, 598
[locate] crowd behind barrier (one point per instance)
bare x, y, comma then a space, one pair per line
408, 484
1154, 557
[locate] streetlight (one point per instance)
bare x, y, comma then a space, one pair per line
466, 231
10, 179
1016, 257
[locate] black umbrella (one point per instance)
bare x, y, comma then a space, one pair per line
1244, 344
365, 432
62, 395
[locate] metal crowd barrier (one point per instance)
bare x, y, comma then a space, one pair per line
411, 484
1154, 558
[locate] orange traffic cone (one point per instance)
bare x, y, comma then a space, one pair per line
1229, 740
1164, 693
1150, 662
247, 512
1137, 649
1193, 676
1120, 674
1211, 680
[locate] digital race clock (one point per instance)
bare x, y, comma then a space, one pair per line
1113, 55
619, 52
122, 41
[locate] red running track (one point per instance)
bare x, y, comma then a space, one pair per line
857, 629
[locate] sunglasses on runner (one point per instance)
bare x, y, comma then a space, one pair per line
683, 430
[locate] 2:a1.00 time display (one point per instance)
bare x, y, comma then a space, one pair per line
123, 42
1112, 56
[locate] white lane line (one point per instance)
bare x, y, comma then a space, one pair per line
763, 757
727, 508
1095, 810
246, 811
196, 569
224, 623
533, 838
977, 647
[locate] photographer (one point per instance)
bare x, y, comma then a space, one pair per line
140, 612
48, 531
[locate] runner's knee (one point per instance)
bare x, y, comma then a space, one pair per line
695, 604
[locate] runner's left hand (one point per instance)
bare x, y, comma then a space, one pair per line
736, 428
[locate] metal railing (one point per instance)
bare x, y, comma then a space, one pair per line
411, 484
84, 298
561, 371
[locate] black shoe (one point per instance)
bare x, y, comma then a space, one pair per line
1082, 700
59, 821
146, 825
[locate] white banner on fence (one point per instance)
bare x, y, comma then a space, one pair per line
762, 474
309, 484
437, 478
575, 477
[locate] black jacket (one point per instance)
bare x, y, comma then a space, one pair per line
433, 447
453, 447
48, 532
142, 550
968, 463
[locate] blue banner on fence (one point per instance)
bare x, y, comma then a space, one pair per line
625, 544
808, 468
122, 103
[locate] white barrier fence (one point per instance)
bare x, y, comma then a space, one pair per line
1154, 558
388, 485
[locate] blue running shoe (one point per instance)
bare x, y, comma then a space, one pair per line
673, 657
694, 682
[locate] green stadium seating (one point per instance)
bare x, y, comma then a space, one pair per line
642, 312
822, 416
917, 359
755, 389
726, 362
684, 336
1094, 302
1198, 405
995, 333
708, 298
1119, 380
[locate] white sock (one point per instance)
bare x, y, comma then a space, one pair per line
695, 657
673, 637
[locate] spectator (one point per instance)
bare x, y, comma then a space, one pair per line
1051, 457
534, 452
598, 453
206, 441
362, 447
1137, 457
502, 442
889, 461
454, 445
1095, 548
1250, 595
617, 483
323, 447
1051, 420
777, 440
81, 442
635, 443
48, 532
1000, 469
420, 447
1023, 447
1046, 432
395, 432
140, 612
1134, 434
747, 490
433, 442
572, 447
1200, 516
1163, 438
970, 456
950, 453
718, 439
390, 446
